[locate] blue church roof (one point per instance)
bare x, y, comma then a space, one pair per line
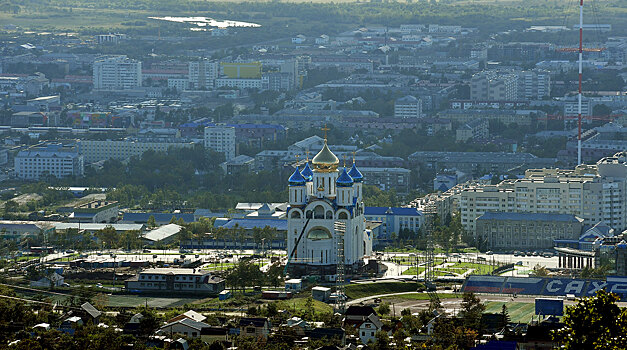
344, 180
297, 179
355, 174
307, 172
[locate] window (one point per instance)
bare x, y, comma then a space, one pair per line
250, 330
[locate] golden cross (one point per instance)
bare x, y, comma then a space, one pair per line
297, 156
325, 129
344, 156
307, 153
354, 156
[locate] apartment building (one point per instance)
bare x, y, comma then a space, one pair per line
98, 150
202, 74
494, 86
387, 178
534, 84
221, 139
117, 73
52, 159
477, 129
408, 107
592, 192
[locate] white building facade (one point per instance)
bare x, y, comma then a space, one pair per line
117, 73
52, 160
221, 139
595, 193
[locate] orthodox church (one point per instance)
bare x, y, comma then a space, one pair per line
318, 199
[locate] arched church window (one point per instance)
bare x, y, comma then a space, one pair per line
308, 215
318, 233
343, 216
329, 214
319, 212
295, 215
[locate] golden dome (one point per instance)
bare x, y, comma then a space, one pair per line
325, 160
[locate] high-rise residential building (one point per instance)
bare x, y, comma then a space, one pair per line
408, 107
52, 159
494, 86
534, 84
221, 139
202, 74
97, 150
592, 192
117, 73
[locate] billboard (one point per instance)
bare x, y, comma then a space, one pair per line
548, 286
546, 306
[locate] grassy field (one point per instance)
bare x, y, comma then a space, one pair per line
136, 300
301, 303
412, 271
518, 312
356, 291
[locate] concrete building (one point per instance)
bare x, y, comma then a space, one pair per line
395, 219
162, 235
591, 192
480, 163
221, 139
526, 231
97, 150
534, 84
494, 86
117, 73
52, 159
96, 212
202, 74
386, 179
478, 129
408, 107
169, 280
239, 83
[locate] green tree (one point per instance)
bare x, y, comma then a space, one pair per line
471, 312
151, 223
594, 323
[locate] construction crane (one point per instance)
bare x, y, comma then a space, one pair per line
430, 212
289, 257
340, 278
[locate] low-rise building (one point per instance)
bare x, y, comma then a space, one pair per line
164, 234
254, 327
99, 211
175, 280
395, 219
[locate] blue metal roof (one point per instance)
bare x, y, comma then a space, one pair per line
393, 211
355, 174
249, 224
528, 216
297, 179
344, 180
159, 217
